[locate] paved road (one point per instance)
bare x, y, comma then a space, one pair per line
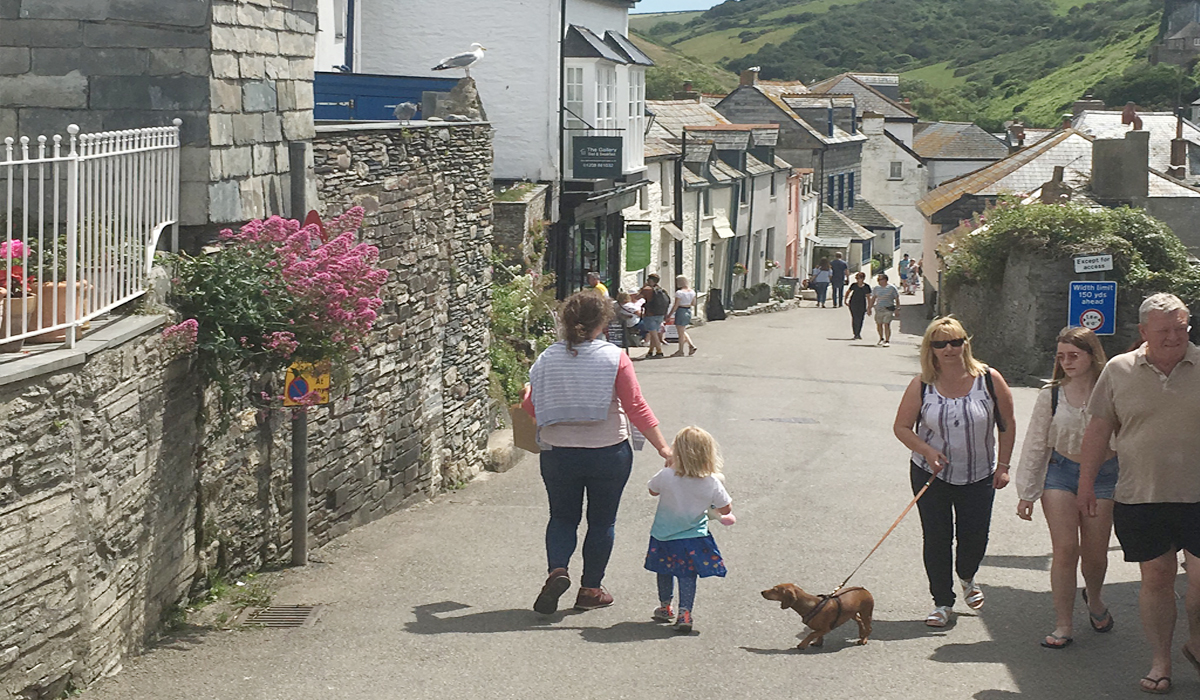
434, 602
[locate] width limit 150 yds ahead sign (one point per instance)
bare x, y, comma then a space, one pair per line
1093, 305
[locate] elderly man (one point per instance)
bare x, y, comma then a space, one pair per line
1150, 399
593, 282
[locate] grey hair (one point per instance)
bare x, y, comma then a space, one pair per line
1164, 302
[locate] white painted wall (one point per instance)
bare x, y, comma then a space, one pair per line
517, 79
942, 170
901, 130
597, 15
331, 31
897, 198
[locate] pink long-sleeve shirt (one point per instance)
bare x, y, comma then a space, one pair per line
627, 405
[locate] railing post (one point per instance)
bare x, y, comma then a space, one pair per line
72, 232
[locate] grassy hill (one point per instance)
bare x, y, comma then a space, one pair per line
672, 68
985, 60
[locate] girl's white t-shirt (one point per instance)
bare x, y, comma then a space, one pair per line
685, 297
683, 503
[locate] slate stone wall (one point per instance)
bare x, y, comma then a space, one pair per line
116, 494
237, 72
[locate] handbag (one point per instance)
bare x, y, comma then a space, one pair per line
524, 429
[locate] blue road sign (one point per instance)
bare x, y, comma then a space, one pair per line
1094, 306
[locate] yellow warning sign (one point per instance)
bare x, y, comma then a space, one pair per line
304, 378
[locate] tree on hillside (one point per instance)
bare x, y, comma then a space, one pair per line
1159, 87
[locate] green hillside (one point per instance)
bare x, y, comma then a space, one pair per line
960, 59
672, 68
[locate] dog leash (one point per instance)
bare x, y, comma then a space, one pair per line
907, 508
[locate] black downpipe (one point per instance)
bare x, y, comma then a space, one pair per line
350, 35
560, 229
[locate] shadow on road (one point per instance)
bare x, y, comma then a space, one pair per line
435, 618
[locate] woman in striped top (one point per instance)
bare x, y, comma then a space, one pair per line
949, 418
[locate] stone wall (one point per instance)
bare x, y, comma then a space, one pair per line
518, 223
237, 72
116, 494
1013, 328
261, 99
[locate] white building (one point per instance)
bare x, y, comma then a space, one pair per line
561, 83
894, 177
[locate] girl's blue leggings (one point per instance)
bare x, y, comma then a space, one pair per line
687, 590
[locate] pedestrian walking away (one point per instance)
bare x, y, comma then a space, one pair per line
949, 417
1049, 470
856, 299
883, 303
583, 394
681, 547
681, 314
820, 279
654, 312
841, 276
904, 267
1149, 399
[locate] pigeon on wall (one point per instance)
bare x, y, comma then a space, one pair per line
463, 60
405, 111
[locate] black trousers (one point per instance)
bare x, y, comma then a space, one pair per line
949, 513
857, 314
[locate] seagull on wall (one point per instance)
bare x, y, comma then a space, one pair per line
405, 111
463, 60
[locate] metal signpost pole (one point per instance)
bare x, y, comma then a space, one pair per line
300, 486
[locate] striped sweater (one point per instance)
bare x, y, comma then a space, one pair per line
574, 388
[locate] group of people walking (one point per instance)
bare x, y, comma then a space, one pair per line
1109, 444
882, 301
653, 309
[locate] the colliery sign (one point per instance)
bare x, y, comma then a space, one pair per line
596, 157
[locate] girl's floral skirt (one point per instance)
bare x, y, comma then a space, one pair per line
694, 556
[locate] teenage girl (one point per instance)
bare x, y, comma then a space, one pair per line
680, 544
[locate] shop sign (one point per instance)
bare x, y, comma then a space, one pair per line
637, 245
596, 157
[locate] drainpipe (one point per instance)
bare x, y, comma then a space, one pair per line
560, 240
350, 35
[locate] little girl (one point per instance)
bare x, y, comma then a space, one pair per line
680, 546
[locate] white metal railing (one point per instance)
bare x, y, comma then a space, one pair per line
80, 228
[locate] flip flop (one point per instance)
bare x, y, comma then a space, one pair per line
1105, 619
1058, 643
1156, 681
1187, 654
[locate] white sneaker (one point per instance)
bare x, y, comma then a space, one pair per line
887, 344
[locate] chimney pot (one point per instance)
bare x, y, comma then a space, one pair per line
749, 77
687, 86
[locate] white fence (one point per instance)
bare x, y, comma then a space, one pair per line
80, 228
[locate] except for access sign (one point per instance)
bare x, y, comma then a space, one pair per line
1093, 305
1093, 263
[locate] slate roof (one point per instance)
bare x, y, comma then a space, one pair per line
1021, 173
754, 166
866, 215
1161, 125
868, 98
833, 225
657, 147
582, 43
1163, 185
1190, 31
672, 115
956, 141
780, 92
626, 48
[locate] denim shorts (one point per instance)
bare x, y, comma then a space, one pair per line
683, 316
652, 324
1063, 475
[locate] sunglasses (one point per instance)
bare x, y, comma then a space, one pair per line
955, 342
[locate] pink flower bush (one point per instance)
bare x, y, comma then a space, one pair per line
180, 339
287, 292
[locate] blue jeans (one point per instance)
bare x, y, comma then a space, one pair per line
839, 292
569, 473
821, 288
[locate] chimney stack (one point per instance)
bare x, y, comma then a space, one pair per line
1179, 148
1016, 137
687, 93
1067, 121
749, 76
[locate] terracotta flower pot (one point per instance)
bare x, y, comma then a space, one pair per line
54, 310
18, 317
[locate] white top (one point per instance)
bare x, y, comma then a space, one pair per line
963, 429
1061, 432
685, 297
683, 503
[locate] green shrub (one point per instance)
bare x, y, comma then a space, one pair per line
1147, 255
522, 326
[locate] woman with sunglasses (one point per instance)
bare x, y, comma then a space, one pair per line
1049, 470
949, 417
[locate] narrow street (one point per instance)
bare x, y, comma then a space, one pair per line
434, 602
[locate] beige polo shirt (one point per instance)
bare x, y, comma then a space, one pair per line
1157, 421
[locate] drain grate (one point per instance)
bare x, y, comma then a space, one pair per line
278, 616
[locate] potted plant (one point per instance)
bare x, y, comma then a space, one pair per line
52, 265
739, 269
762, 292
16, 295
742, 299
772, 264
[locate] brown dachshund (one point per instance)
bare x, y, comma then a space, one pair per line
823, 614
